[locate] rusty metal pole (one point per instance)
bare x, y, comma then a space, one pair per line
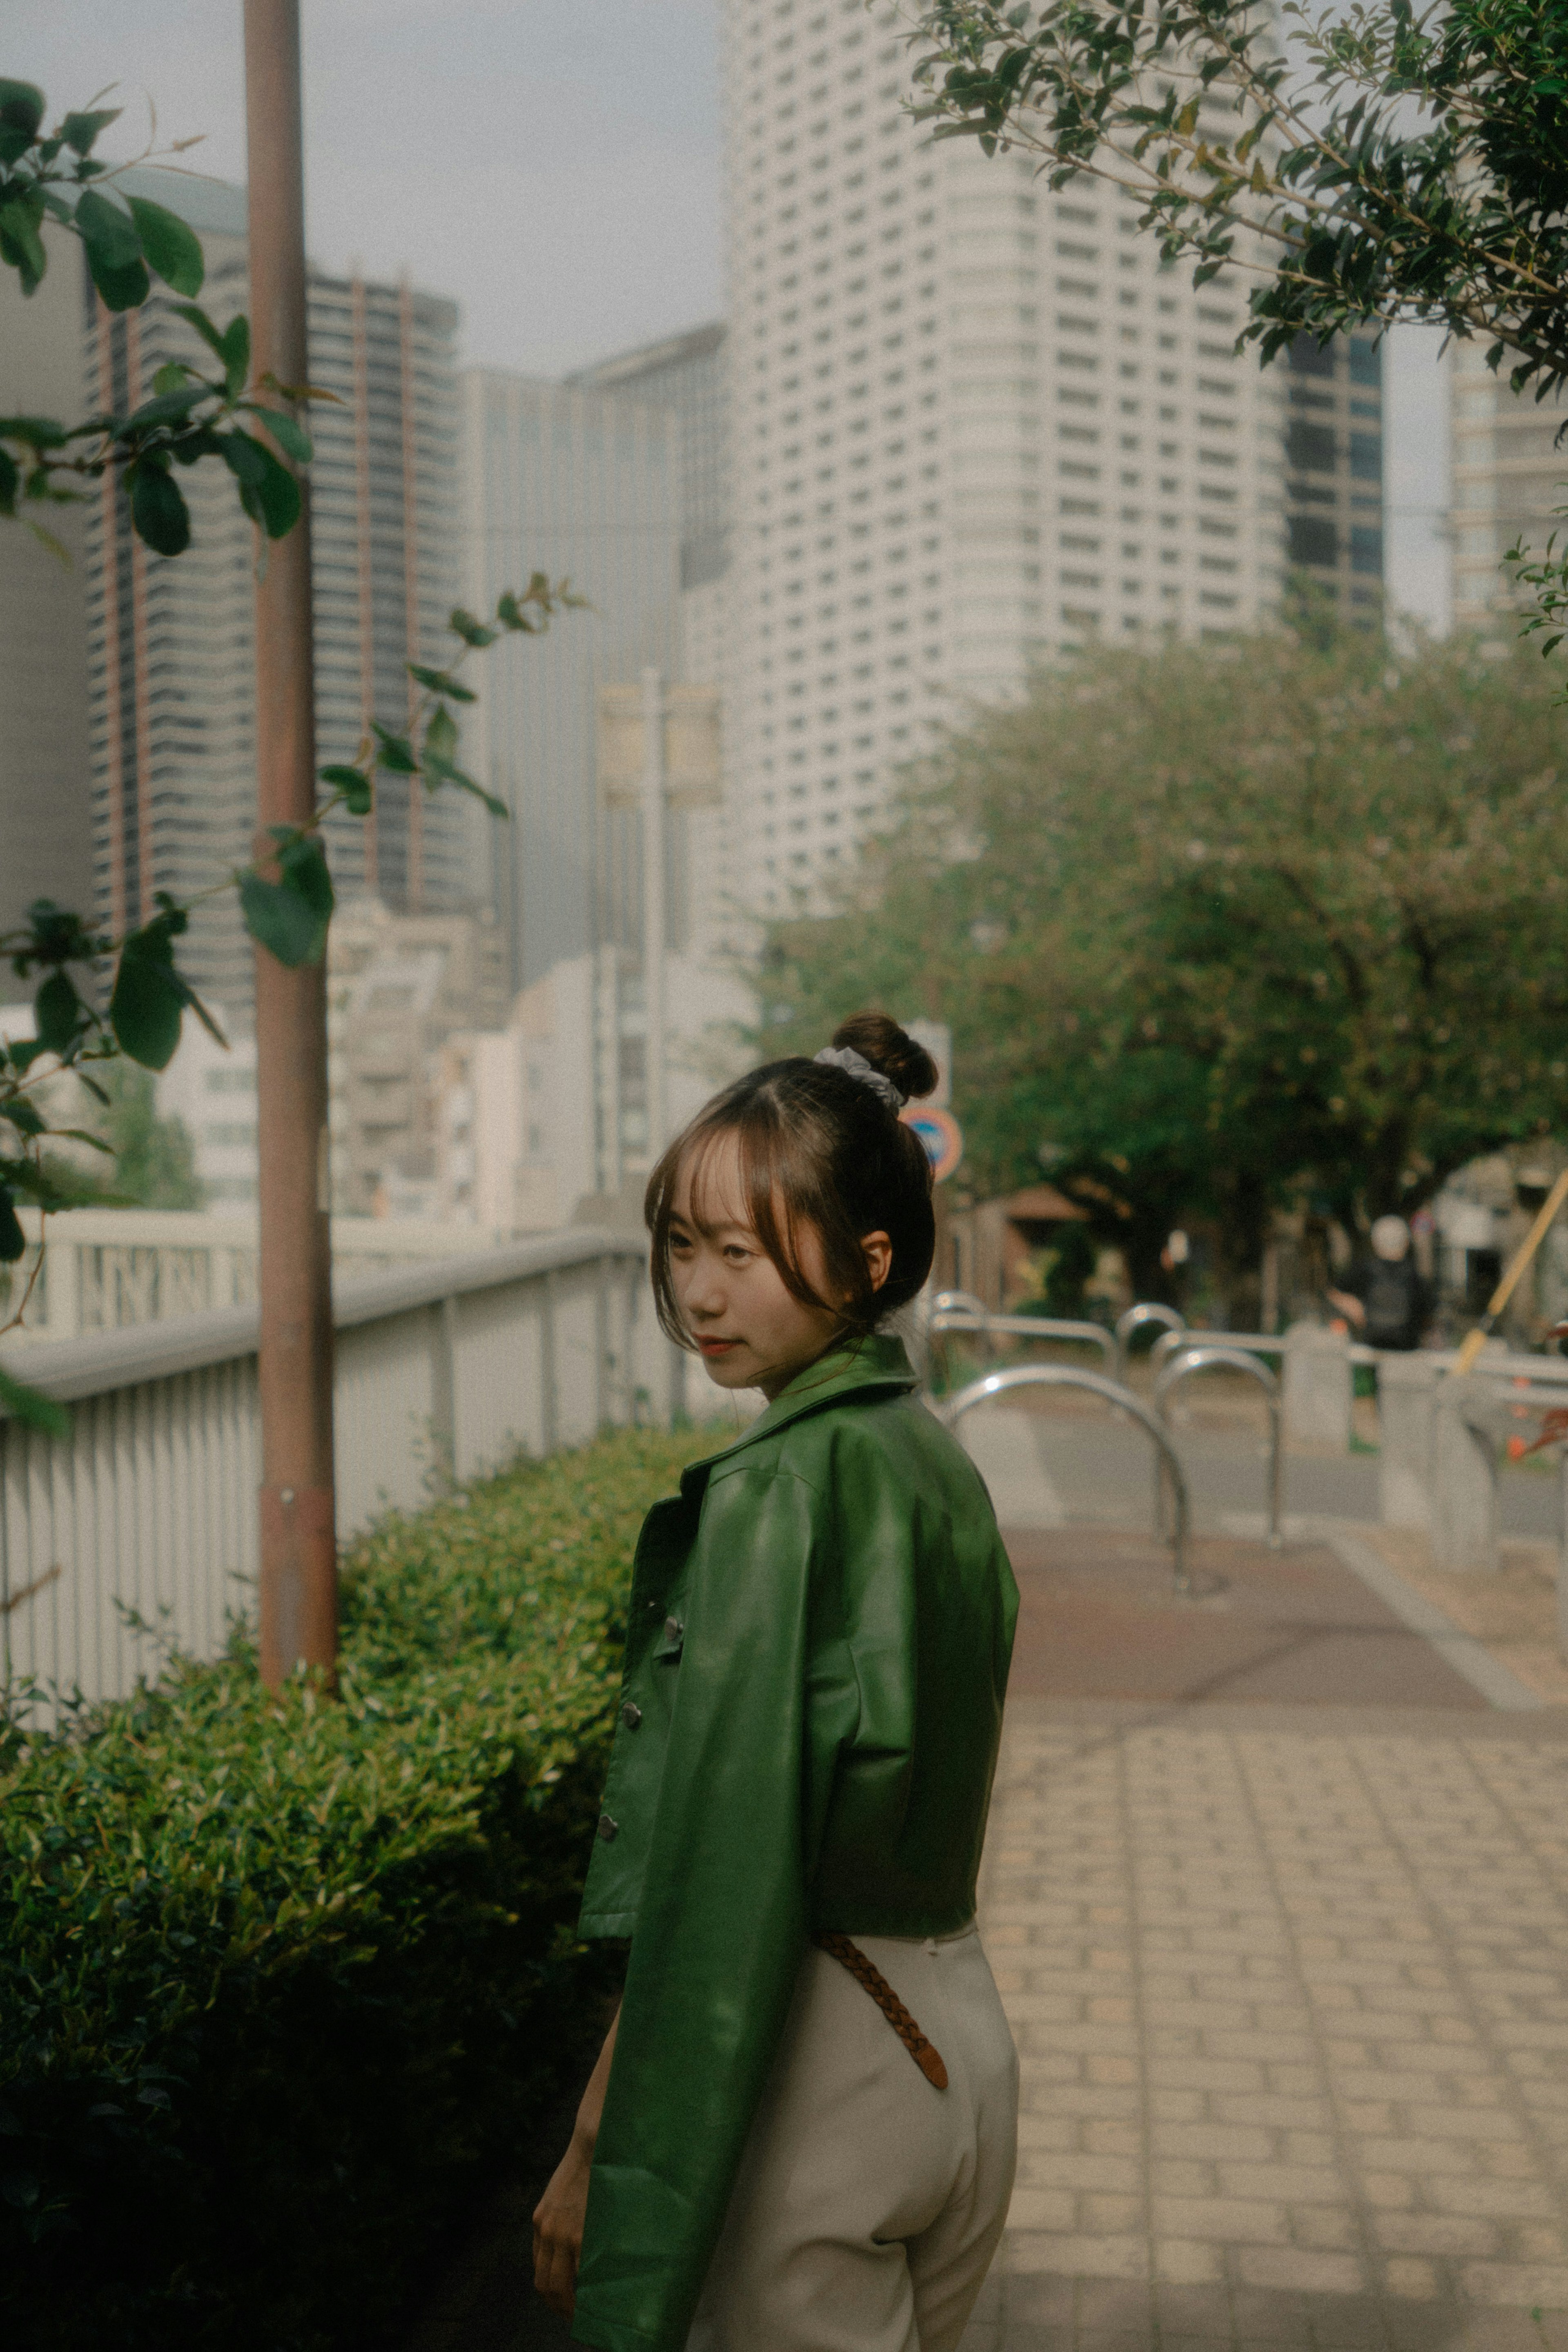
298, 1549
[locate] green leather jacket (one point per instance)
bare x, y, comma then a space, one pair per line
817, 1652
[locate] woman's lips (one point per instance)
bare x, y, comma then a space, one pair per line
717, 1347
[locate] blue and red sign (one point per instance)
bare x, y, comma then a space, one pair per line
941, 1134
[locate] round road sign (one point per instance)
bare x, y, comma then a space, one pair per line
941, 1134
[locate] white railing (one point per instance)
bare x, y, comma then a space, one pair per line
442, 1372
105, 1269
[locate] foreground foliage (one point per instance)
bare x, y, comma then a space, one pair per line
200, 407
1379, 161
1276, 921
277, 1976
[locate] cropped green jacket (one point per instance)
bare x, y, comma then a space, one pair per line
817, 1652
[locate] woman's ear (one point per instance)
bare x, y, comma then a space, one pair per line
878, 1258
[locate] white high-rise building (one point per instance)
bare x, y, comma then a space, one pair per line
1510, 477
973, 425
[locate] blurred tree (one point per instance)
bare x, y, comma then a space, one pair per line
154, 1160
1223, 926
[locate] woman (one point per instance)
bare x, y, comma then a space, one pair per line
800, 2134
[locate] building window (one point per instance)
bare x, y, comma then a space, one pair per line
1310, 447
1314, 540
1366, 549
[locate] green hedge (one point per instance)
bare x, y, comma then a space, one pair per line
278, 1979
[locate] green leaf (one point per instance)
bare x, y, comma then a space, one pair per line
33, 1407
235, 352
21, 107
158, 511
289, 917
113, 252
396, 753
171, 248
39, 432
149, 994
438, 772
80, 132
20, 243
354, 785
106, 230
56, 1010
441, 736
10, 476
268, 491
123, 289
441, 681
290, 436
12, 1240
195, 316
510, 613
172, 376
472, 632
22, 1115
168, 407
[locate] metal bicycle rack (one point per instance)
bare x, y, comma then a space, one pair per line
959, 1302
1067, 1376
1171, 1343
1021, 1327
1138, 1318
1203, 1355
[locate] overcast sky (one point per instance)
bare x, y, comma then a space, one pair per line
553, 163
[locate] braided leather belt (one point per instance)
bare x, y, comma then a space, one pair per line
924, 2054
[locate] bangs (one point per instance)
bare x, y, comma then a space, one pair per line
769, 1164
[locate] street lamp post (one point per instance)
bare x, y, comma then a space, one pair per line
656, 923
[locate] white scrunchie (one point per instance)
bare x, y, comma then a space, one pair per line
845, 1058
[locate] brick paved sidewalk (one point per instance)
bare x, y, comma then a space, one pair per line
1290, 1986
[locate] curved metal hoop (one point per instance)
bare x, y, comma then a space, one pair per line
1138, 1318
1022, 1326
1068, 1376
1203, 1355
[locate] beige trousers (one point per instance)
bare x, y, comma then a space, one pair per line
868, 2205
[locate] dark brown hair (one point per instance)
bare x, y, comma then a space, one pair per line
818, 1148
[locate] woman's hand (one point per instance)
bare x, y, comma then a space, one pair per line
558, 2228
559, 2215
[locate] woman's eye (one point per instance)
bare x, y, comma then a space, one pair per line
737, 1256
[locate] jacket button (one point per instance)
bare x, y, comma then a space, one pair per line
674, 1628
630, 1715
608, 1829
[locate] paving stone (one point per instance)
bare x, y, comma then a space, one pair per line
1303, 2080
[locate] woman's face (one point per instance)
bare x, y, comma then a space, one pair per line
750, 1331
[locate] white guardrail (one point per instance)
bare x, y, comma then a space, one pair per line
442, 1371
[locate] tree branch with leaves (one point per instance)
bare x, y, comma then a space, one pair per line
1359, 165
96, 996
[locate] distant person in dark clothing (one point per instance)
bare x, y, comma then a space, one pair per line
1386, 1301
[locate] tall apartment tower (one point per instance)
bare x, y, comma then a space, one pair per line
573, 481
45, 817
1509, 480
1333, 481
688, 375
974, 424
171, 651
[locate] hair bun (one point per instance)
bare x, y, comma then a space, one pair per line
890, 1050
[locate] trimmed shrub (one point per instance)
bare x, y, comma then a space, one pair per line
279, 1977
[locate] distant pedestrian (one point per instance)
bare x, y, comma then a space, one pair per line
1385, 1299
801, 2133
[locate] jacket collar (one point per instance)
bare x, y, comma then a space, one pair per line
861, 1366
